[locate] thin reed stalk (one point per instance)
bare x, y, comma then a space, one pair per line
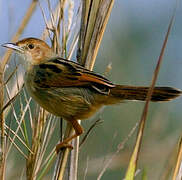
94, 18
132, 167
29, 128
177, 175
3, 63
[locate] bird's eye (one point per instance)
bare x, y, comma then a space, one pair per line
30, 46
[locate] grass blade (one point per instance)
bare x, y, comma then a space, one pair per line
178, 168
135, 155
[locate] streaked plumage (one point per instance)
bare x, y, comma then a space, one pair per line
66, 89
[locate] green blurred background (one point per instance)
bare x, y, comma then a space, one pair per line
132, 43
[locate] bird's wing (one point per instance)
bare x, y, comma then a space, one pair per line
59, 72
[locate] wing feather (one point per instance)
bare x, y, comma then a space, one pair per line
58, 72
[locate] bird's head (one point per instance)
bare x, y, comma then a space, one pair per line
32, 50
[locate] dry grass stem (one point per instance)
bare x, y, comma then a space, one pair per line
135, 155
15, 135
119, 148
16, 146
63, 156
178, 167
2, 67
24, 125
33, 159
94, 21
89, 24
92, 8
97, 122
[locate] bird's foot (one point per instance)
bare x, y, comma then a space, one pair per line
63, 145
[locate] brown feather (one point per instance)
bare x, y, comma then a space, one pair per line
66, 74
121, 92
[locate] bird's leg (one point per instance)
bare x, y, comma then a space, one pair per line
78, 131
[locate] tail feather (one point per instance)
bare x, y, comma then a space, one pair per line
140, 93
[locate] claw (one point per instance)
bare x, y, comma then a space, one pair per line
61, 146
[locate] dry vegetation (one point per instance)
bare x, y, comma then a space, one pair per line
29, 129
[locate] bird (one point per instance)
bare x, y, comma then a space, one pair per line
68, 90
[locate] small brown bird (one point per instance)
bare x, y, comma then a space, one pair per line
68, 90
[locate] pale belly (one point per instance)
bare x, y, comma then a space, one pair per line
69, 103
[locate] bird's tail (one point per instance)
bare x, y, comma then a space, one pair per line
121, 92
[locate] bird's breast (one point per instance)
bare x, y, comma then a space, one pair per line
69, 102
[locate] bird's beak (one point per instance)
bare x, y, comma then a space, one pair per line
14, 47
